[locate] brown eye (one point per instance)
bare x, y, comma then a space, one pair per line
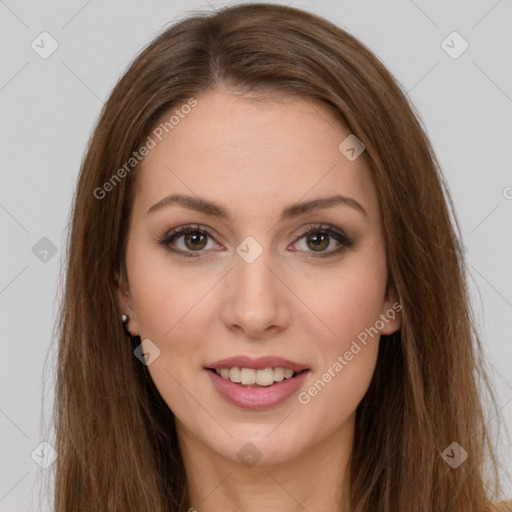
318, 241
322, 241
195, 241
187, 240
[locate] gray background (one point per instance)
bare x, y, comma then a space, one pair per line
49, 107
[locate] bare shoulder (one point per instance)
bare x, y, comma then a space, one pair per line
503, 506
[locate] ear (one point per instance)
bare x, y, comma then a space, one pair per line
391, 314
126, 303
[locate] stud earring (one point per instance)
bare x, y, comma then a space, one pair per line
124, 320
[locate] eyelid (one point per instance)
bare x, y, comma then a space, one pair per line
345, 242
326, 228
339, 235
176, 232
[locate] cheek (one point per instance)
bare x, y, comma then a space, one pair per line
345, 303
166, 299
343, 331
346, 347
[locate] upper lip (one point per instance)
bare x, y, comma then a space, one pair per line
257, 363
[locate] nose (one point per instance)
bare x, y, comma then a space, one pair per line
256, 301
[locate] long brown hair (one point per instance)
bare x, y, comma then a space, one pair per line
115, 436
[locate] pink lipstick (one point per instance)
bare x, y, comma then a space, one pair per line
278, 379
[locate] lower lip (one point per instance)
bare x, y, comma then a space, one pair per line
264, 397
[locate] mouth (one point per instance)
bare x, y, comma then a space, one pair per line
257, 384
252, 378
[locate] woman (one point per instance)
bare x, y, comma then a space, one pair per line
265, 303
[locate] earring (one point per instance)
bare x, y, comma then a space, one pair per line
124, 320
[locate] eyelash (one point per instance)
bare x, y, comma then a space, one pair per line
339, 236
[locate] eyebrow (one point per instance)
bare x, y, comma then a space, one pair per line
208, 207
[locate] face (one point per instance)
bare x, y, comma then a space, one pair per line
262, 271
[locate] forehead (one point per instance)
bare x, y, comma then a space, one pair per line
250, 154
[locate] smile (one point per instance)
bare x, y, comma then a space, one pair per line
252, 377
256, 384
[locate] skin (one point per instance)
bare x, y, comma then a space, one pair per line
288, 302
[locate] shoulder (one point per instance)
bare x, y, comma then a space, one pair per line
503, 506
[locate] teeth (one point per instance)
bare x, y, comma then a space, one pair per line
265, 377
278, 374
249, 376
234, 374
